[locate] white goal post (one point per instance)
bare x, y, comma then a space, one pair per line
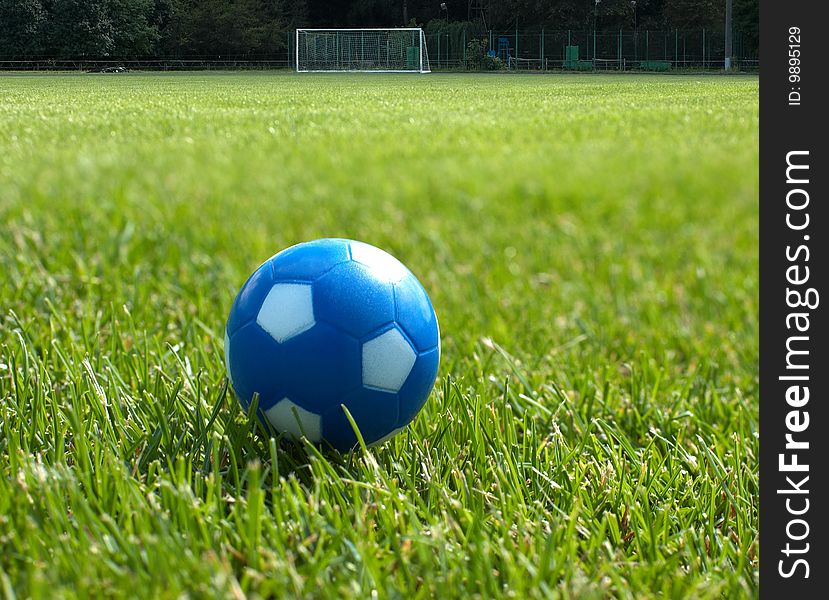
398, 50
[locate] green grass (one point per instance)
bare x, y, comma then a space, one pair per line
590, 246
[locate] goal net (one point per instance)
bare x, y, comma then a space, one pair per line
401, 50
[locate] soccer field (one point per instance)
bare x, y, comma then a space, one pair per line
589, 244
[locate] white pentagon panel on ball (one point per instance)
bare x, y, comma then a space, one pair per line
387, 361
288, 310
382, 264
292, 419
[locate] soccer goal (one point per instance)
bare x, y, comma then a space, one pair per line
401, 50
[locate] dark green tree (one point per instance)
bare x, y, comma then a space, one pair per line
262, 28
241, 28
375, 13
202, 28
548, 14
297, 11
79, 28
21, 28
746, 15
133, 32
256, 27
695, 14
170, 17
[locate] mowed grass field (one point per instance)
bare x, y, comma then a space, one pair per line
589, 244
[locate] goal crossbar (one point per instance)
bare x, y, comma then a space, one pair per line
366, 50
362, 29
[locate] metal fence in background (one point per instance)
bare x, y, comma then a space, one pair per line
593, 50
539, 50
197, 63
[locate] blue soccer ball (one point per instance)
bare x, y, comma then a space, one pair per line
327, 324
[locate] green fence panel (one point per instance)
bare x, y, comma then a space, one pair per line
540, 49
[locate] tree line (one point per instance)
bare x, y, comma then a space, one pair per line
130, 29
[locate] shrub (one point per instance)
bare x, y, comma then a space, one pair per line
475, 53
493, 63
